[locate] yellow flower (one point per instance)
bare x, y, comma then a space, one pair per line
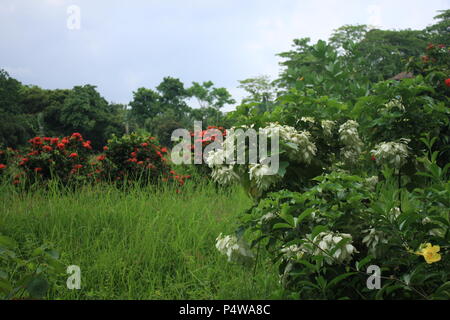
429, 252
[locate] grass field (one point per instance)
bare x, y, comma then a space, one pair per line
145, 243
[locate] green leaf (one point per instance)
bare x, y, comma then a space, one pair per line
37, 287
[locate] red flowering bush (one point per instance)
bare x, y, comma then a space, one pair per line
47, 158
206, 137
3, 160
433, 65
135, 157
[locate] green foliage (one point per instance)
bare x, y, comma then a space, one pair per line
136, 158
26, 272
85, 111
48, 158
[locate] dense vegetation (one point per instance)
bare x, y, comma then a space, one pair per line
364, 125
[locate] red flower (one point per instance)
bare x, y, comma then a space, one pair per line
2, 166
87, 145
61, 145
47, 148
105, 148
373, 158
77, 135
164, 150
447, 82
73, 155
78, 166
16, 182
54, 141
145, 144
134, 154
101, 158
37, 169
65, 141
442, 46
140, 163
430, 46
132, 160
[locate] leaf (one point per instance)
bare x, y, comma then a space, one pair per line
340, 278
37, 287
282, 226
7, 242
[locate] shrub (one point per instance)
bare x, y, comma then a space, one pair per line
136, 158
25, 273
46, 158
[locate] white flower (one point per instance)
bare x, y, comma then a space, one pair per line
372, 239
263, 176
293, 251
394, 213
372, 181
395, 103
234, 249
393, 153
327, 241
308, 119
224, 174
267, 217
327, 126
348, 135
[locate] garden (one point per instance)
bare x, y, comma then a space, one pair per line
358, 208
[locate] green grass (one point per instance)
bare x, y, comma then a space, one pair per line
145, 243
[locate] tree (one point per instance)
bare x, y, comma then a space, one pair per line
86, 111
211, 100
440, 31
15, 127
146, 104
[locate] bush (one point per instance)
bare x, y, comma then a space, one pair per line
48, 158
136, 158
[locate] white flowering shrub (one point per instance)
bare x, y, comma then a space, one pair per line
392, 153
236, 250
324, 238
296, 148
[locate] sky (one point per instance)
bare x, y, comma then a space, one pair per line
120, 46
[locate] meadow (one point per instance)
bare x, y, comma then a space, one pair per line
142, 243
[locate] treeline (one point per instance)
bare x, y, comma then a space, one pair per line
344, 68
27, 111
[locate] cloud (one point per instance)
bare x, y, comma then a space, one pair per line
374, 15
122, 46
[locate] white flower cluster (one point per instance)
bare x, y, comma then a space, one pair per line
303, 148
348, 134
372, 239
393, 153
327, 241
293, 251
298, 146
267, 217
395, 103
328, 126
308, 119
234, 249
262, 176
371, 181
224, 174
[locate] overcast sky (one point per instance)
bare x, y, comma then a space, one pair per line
123, 45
